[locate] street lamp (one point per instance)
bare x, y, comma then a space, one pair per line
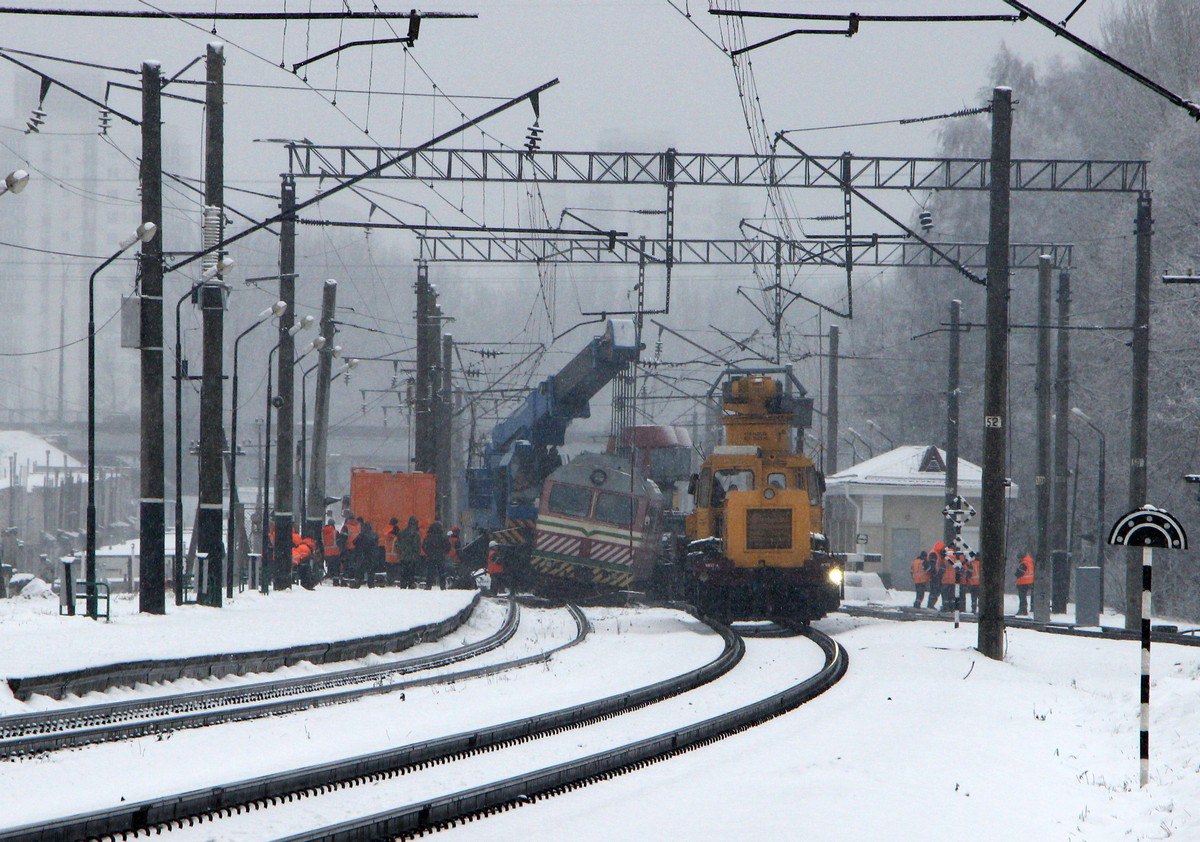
274, 311
224, 265
264, 579
14, 182
1100, 483
878, 429
859, 436
144, 234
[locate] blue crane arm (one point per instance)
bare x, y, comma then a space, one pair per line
548, 409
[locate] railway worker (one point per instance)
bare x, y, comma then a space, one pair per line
1024, 574
949, 577
495, 569
933, 571
330, 547
920, 577
973, 580
367, 548
408, 549
435, 547
391, 551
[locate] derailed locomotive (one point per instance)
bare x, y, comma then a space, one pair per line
752, 548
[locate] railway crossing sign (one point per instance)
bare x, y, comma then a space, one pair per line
1149, 528
959, 511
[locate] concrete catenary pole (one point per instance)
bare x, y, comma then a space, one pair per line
1060, 574
830, 465
995, 391
1139, 404
316, 470
281, 563
212, 305
445, 481
152, 509
952, 396
1041, 584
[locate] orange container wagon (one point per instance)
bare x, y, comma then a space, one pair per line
378, 496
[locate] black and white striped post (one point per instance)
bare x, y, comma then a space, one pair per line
958, 512
1149, 528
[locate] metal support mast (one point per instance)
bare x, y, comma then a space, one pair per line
830, 463
315, 497
285, 419
1060, 572
1139, 403
212, 304
952, 395
995, 400
152, 509
1041, 585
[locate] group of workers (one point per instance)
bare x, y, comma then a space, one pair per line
942, 570
356, 553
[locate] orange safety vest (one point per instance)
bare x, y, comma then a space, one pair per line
329, 539
352, 529
919, 576
494, 564
973, 573
390, 554
948, 571
1026, 577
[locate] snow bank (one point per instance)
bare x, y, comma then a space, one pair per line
38, 641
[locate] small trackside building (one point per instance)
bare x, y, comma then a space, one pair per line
892, 505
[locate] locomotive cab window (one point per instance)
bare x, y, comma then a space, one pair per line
809, 478
617, 509
777, 479
736, 479
570, 500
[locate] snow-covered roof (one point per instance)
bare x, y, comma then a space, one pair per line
31, 452
910, 468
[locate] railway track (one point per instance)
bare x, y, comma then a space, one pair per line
907, 614
88, 724
185, 809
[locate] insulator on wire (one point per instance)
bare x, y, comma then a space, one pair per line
926, 220
105, 121
210, 229
35, 121
533, 140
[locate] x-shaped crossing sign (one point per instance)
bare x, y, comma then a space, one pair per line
959, 511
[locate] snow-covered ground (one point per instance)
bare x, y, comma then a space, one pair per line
628, 649
37, 641
925, 739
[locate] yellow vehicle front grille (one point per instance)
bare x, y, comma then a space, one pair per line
768, 529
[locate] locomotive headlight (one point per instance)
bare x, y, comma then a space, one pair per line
835, 575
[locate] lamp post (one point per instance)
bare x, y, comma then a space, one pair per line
274, 311
866, 443
891, 442
264, 579
145, 232
223, 266
14, 182
1100, 484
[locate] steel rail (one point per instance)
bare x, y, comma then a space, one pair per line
906, 614
447, 811
161, 706
186, 809
57, 740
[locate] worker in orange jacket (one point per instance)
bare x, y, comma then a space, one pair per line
949, 571
973, 580
495, 568
1024, 574
920, 577
329, 546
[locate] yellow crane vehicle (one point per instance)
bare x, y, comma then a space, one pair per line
755, 546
